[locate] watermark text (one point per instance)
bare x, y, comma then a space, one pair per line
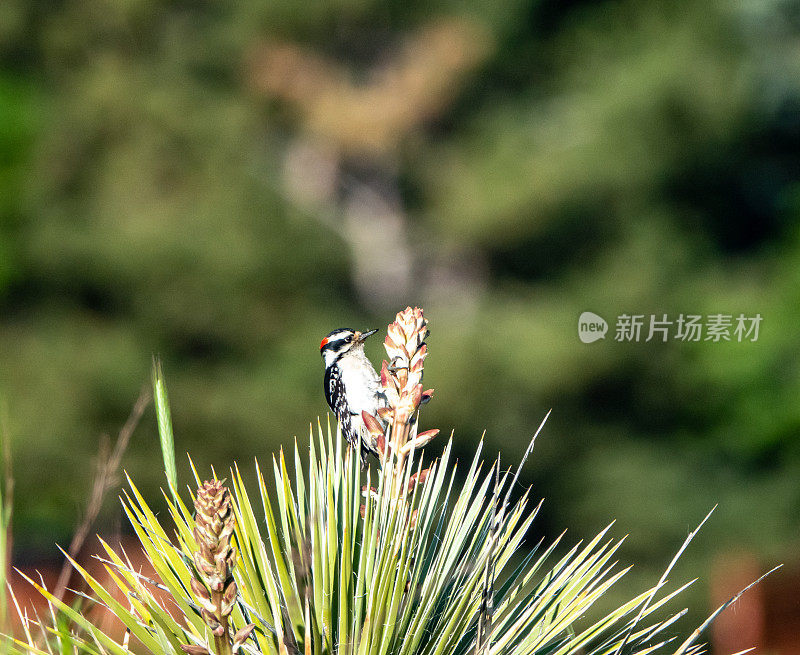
665, 327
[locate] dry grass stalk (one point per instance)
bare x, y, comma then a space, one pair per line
105, 479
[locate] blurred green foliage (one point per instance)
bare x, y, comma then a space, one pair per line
618, 157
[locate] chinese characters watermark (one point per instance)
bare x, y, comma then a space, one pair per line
664, 327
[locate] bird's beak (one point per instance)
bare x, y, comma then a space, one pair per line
361, 336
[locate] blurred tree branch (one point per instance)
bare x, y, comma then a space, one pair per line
373, 118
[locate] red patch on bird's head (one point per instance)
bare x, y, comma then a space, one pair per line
323, 343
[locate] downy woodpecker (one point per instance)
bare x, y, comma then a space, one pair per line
351, 385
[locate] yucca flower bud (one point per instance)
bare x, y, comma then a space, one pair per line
214, 559
418, 478
376, 432
192, 649
422, 439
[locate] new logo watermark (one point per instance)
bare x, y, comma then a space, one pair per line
591, 327
683, 327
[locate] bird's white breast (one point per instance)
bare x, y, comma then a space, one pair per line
361, 382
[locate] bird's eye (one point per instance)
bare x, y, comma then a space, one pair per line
348, 339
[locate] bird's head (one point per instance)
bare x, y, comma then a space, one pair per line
342, 341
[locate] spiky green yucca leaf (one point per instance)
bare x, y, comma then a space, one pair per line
328, 565
165, 426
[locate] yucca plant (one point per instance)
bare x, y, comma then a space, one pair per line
393, 559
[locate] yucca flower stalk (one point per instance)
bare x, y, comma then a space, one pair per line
401, 380
213, 585
322, 568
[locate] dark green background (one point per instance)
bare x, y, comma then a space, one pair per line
619, 157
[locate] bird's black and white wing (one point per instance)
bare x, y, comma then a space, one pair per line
337, 401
